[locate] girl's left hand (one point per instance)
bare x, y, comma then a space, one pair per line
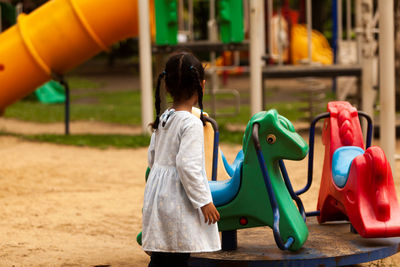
211, 214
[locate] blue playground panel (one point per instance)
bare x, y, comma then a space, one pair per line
341, 163
224, 191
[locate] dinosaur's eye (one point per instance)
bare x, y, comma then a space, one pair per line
271, 139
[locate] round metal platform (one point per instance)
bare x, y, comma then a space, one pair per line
330, 244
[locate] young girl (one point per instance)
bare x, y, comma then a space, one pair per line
178, 214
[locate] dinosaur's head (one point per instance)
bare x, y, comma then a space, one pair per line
277, 136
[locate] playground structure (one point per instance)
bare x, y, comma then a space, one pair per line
38, 49
257, 194
225, 16
51, 92
356, 184
364, 69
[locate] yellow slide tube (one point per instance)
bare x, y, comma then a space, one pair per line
57, 37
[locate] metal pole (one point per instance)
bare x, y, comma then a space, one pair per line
270, 7
67, 104
181, 9
262, 36
280, 48
348, 20
213, 37
309, 29
358, 28
334, 32
146, 81
19, 8
386, 81
212, 29
364, 17
60, 78
256, 20
339, 29
190, 20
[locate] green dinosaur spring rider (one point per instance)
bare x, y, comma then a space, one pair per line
259, 192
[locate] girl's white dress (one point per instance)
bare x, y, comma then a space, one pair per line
177, 187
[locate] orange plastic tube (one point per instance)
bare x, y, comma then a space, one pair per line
57, 37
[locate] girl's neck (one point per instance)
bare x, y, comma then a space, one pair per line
185, 105
182, 107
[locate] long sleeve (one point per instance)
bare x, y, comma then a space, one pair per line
190, 165
150, 153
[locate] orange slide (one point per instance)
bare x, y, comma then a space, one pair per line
57, 37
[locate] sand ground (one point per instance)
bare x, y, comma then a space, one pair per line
74, 206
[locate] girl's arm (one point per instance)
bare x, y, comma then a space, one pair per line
150, 153
189, 163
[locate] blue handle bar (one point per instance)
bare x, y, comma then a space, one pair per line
311, 144
290, 189
272, 199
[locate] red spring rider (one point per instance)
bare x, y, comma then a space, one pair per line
356, 184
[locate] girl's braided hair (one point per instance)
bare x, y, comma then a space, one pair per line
183, 76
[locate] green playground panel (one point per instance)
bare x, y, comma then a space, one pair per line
252, 201
51, 92
166, 22
230, 18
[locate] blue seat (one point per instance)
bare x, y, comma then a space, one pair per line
230, 168
224, 191
341, 163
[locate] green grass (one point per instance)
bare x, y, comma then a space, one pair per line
115, 107
104, 141
124, 107
230, 137
89, 140
290, 110
76, 82
34, 111
286, 109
